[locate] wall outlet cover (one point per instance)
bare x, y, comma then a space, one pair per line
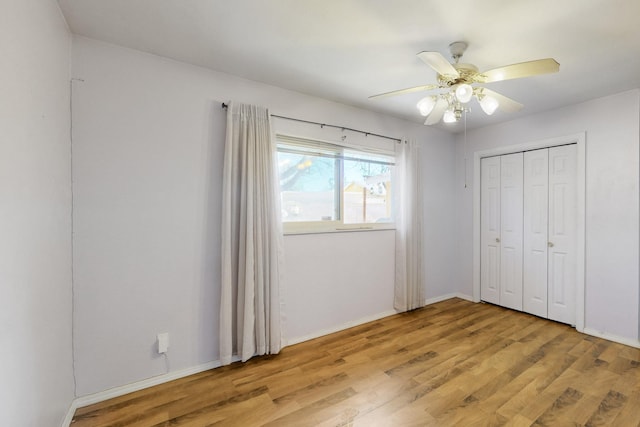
163, 342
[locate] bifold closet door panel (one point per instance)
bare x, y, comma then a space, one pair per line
562, 234
536, 207
511, 215
490, 229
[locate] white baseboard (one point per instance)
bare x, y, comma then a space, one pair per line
604, 335
67, 419
446, 297
341, 327
90, 399
101, 396
372, 318
607, 336
465, 297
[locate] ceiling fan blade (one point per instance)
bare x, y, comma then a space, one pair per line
438, 112
505, 104
403, 91
439, 63
523, 69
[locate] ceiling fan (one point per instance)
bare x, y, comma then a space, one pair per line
457, 80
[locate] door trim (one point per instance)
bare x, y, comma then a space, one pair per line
579, 139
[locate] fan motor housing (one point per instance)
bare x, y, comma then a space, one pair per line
466, 72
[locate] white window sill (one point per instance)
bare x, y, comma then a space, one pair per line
342, 229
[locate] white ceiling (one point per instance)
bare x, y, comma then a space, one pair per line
347, 50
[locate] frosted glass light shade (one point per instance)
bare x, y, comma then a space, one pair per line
425, 105
449, 117
464, 92
489, 105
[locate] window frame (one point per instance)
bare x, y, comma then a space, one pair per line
322, 147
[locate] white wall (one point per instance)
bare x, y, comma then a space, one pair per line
36, 377
440, 264
350, 284
612, 200
148, 138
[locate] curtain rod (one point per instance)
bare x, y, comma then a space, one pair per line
330, 126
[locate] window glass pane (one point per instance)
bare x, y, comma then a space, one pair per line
308, 187
367, 191
325, 186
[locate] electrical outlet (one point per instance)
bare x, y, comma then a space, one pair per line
163, 342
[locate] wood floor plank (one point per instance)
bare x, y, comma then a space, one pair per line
551, 415
629, 414
451, 363
608, 409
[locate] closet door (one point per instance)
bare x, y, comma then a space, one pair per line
562, 234
536, 207
490, 229
511, 198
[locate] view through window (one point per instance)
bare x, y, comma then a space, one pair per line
324, 186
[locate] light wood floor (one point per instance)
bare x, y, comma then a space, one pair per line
451, 363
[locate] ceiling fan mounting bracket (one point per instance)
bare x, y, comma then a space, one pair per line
457, 49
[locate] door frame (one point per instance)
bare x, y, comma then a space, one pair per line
579, 139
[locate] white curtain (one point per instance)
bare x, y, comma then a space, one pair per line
409, 289
250, 319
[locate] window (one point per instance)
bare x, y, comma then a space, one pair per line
326, 187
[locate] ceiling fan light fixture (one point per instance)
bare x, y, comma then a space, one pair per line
489, 104
426, 104
464, 92
449, 117
458, 82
